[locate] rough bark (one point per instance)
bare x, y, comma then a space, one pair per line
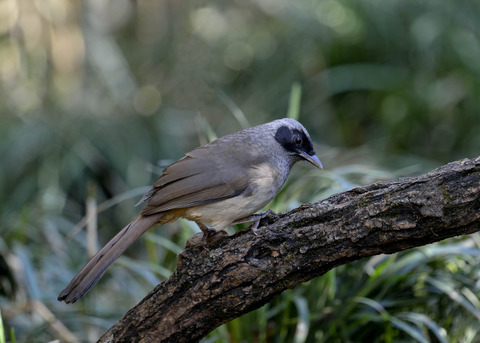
243, 272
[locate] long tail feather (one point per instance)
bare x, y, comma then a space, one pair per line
94, 269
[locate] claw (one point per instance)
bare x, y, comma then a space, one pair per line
255, 218
254, 227
210, 235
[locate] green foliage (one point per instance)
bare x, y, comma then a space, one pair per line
2, 330
93, 96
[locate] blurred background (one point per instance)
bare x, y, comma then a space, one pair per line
96, 97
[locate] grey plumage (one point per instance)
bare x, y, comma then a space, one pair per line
214, 185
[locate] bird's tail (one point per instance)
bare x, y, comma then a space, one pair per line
94, 269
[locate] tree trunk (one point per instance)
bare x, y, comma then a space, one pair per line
243, 272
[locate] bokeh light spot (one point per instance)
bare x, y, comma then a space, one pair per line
8, 14
147, 100
238, 55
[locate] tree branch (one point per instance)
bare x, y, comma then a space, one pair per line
243, 272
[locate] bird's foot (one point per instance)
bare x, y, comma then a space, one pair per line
255, 218
208, 237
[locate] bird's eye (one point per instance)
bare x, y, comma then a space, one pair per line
298, 140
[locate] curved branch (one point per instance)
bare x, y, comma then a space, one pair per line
243, 272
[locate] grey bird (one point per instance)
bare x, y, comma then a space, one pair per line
215, 185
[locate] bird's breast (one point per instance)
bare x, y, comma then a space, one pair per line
265, 182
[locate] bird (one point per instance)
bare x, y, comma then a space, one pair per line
216, 185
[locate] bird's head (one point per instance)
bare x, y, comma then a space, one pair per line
294, 138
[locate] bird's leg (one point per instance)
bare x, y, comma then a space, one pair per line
209, 234
255, 218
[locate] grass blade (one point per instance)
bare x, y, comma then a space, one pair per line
294, 101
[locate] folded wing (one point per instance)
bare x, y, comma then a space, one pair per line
206, 174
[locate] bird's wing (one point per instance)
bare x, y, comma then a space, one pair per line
207, 174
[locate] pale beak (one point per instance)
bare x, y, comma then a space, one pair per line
313, 159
